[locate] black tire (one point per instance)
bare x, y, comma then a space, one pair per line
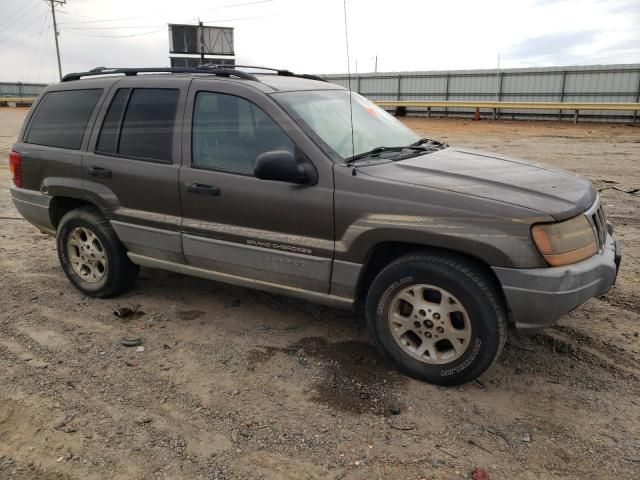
118, 275
485, 316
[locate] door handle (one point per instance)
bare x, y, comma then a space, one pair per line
99, 172
201, 189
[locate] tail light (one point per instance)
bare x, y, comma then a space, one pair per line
15, 167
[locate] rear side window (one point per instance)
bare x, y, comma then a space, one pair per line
108, 141
61, 118
140, 124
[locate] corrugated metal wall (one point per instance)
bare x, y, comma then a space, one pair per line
591, 83
20, 89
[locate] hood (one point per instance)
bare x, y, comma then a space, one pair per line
493, 176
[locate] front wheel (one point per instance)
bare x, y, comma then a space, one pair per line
436, 317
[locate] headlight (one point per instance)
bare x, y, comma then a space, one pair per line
565, 242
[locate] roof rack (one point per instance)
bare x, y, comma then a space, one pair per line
278, 71
209, 68
223, 72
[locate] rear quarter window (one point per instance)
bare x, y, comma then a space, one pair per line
61, 118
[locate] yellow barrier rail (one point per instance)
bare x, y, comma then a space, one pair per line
511, 105
496, 106
28, 100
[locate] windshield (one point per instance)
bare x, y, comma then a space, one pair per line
326, 113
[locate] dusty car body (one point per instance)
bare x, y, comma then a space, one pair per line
298, 197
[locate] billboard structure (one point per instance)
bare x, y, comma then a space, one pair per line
202, 40
198, 39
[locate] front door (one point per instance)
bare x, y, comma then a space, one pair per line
236, 224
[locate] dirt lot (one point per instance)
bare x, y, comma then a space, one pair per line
234, 383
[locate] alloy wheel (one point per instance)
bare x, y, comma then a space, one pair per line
86, 254
430, 324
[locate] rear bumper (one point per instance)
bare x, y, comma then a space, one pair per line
537, 297
34, 207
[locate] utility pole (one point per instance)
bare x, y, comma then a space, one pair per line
55, 31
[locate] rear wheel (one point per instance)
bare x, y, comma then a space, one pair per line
436, 317
92, 256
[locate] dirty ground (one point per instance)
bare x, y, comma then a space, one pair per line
223, 382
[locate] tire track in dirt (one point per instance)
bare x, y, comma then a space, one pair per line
557, 341
176, 410
609, 355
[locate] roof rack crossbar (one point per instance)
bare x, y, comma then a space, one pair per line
308, 76
279, 71
224, 72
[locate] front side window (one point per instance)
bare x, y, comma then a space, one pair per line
327, 114
230, 132
61, 118
140, 124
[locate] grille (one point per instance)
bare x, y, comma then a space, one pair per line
597, 218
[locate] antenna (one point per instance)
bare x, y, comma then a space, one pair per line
346, 38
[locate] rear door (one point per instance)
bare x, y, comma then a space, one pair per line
131, 167
234, 223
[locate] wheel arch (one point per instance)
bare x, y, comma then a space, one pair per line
383, 253
61, 205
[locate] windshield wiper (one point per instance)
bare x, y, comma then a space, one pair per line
422, 141
378, 150
372, 152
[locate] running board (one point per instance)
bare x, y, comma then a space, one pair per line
315, 297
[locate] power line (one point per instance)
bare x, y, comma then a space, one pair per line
10, 17
40, 64
17, 25
66, 29
12, 36
98, 21
127, 27
94, 20
238, 19
37, 51
117, 36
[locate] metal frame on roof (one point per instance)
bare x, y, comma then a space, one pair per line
208, 69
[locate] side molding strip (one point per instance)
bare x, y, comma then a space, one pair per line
151, 241
316, 297
344, 279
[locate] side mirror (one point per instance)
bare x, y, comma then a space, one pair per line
282, 166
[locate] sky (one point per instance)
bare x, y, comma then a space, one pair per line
309, 35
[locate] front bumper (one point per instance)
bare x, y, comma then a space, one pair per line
537, 297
